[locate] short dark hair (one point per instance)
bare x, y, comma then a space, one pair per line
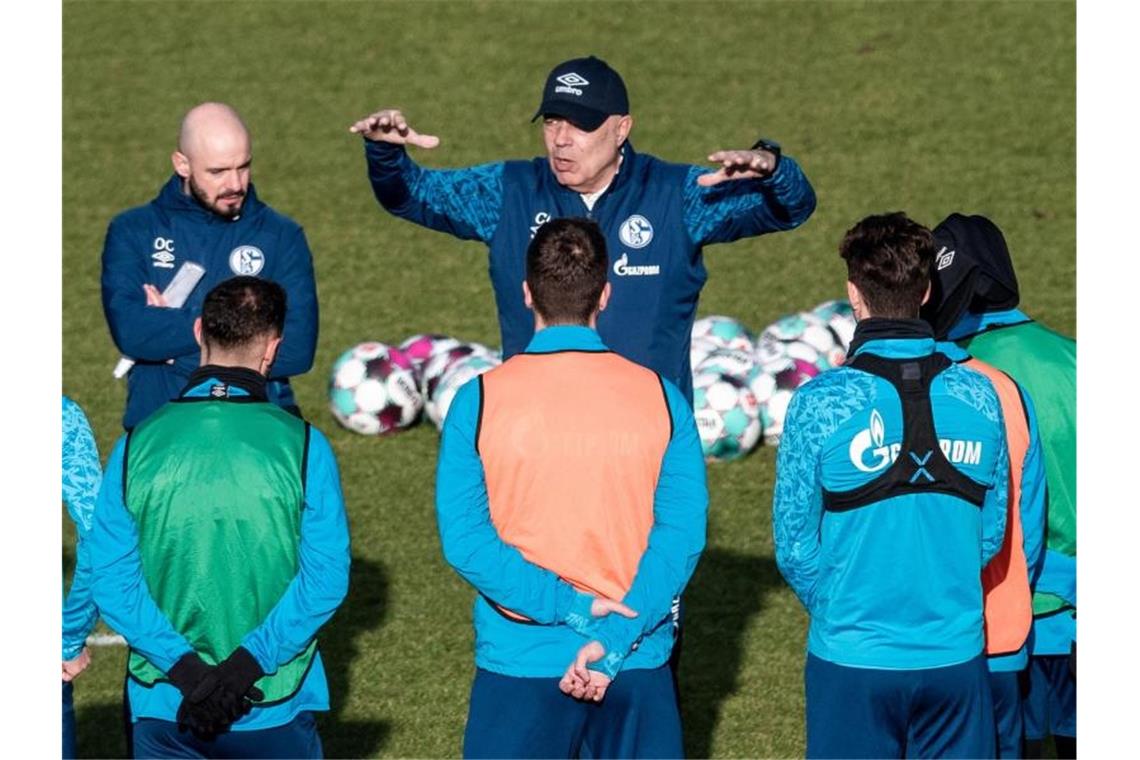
241, 309
566, 266
889, 258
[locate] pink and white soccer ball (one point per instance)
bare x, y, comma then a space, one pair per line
420, 348
456, 376
435, 367
727, 415
373, 390
724, 332
787, 375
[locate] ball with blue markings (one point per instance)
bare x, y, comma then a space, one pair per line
727, 415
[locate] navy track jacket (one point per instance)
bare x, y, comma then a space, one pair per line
149, 243
655, 218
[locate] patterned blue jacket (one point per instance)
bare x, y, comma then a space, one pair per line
81, 477
655, 218
894, 584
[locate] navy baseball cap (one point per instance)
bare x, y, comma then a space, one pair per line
586, 91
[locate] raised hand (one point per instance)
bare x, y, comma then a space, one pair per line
739, 164
389, 125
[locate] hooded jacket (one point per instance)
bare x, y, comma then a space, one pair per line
148, 244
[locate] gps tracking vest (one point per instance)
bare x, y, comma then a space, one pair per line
921, 466
571, 444
216, 489
1005, 580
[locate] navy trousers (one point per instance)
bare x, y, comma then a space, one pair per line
1006, 688
864, 712
296, 739
530, 717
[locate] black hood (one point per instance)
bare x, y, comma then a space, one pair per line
972, 272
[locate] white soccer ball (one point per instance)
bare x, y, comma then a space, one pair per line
803, 336
724, 332
729, 361
436, 366
458, 374
372, 390
840, 317
422, 347
727, 415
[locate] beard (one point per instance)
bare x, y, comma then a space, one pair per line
228, 213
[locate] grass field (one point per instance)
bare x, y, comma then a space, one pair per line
924, 107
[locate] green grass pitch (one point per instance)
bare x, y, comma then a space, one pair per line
924, 107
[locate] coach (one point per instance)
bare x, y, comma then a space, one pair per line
209, 214
656, 216
220, 547
569, 477
891, 487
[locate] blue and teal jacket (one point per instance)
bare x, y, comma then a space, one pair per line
893, 583
148, 245
500, 572
308, 602
1031, 507
654, 215
82, 474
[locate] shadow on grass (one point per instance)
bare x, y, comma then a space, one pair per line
363, 610
99, 729
726, 591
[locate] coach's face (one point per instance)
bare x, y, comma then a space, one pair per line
215, 168
584, 161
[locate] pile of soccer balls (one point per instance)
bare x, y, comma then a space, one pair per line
742, 383
378, 389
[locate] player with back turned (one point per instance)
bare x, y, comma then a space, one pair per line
890, 497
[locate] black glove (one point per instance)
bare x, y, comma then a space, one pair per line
192, 676
236, 692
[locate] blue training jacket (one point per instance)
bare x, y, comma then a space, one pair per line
81, 477
321, 582
895, 584
655, 218
148, 244
499, 571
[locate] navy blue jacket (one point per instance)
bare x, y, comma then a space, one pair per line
149, 243
655, 218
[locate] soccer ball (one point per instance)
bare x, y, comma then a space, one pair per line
724, 332
727, 416
435, 367
729, 361
459, 373
801, 336
699, 348
373, 391
420, 348
786, 375
840, 317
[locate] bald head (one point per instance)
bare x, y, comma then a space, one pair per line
213, 158
210, 123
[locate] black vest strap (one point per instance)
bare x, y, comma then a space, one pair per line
921, 467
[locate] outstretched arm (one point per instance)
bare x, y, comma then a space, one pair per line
465, 203
751, 193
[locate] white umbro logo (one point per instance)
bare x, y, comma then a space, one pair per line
945, 258
572, 80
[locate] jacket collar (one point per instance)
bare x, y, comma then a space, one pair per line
214, 381
892, 337
565, 338
172, 197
